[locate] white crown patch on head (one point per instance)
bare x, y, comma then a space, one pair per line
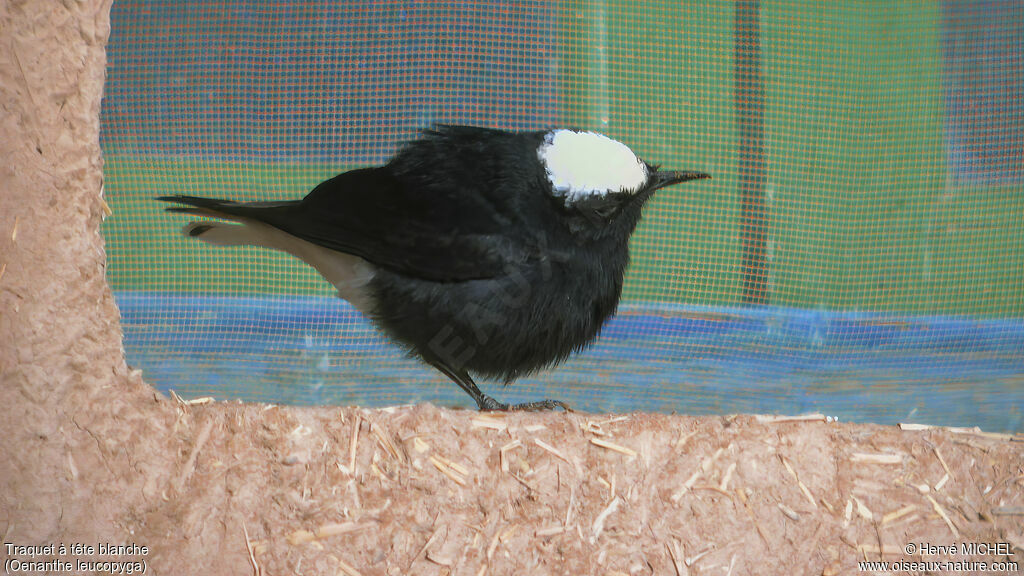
581, 164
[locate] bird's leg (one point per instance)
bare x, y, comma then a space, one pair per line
485, 402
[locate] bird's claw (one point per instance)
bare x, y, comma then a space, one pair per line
488, 403
541, 405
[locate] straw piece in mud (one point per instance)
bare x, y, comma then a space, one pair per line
488, 422
552, 450
494, 544
885, 550
386, 442
439, 560
704, 467
799, 483
862, 458
327, 530
897, 514
975, 431
419, 445
333, 529
945, 517
677, 563
742, 495
941, 460
503, 451
549, 531
683, 439
570, 507
300, 537
863, 510
190, 463
256, 569
691, 560
352, 443
610, 486
724, 484
789, 512
199, 401
598, 526
423, 549
613, 447
773, 419
455, 472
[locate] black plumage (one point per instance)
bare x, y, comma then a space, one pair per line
479, 265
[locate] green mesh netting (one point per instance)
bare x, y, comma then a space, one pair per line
859, 252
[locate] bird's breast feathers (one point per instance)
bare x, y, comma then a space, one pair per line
582, 164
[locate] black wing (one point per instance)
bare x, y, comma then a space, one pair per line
370, 213
454, 205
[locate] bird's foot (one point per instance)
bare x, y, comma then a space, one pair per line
488, 403
541, 405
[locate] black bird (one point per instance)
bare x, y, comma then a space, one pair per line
481, 251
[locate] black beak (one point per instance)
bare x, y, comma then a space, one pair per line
662, 178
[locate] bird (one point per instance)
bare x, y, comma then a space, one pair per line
480, 251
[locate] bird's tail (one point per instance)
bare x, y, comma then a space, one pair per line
253, 219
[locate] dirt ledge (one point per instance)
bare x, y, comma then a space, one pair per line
91, 454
